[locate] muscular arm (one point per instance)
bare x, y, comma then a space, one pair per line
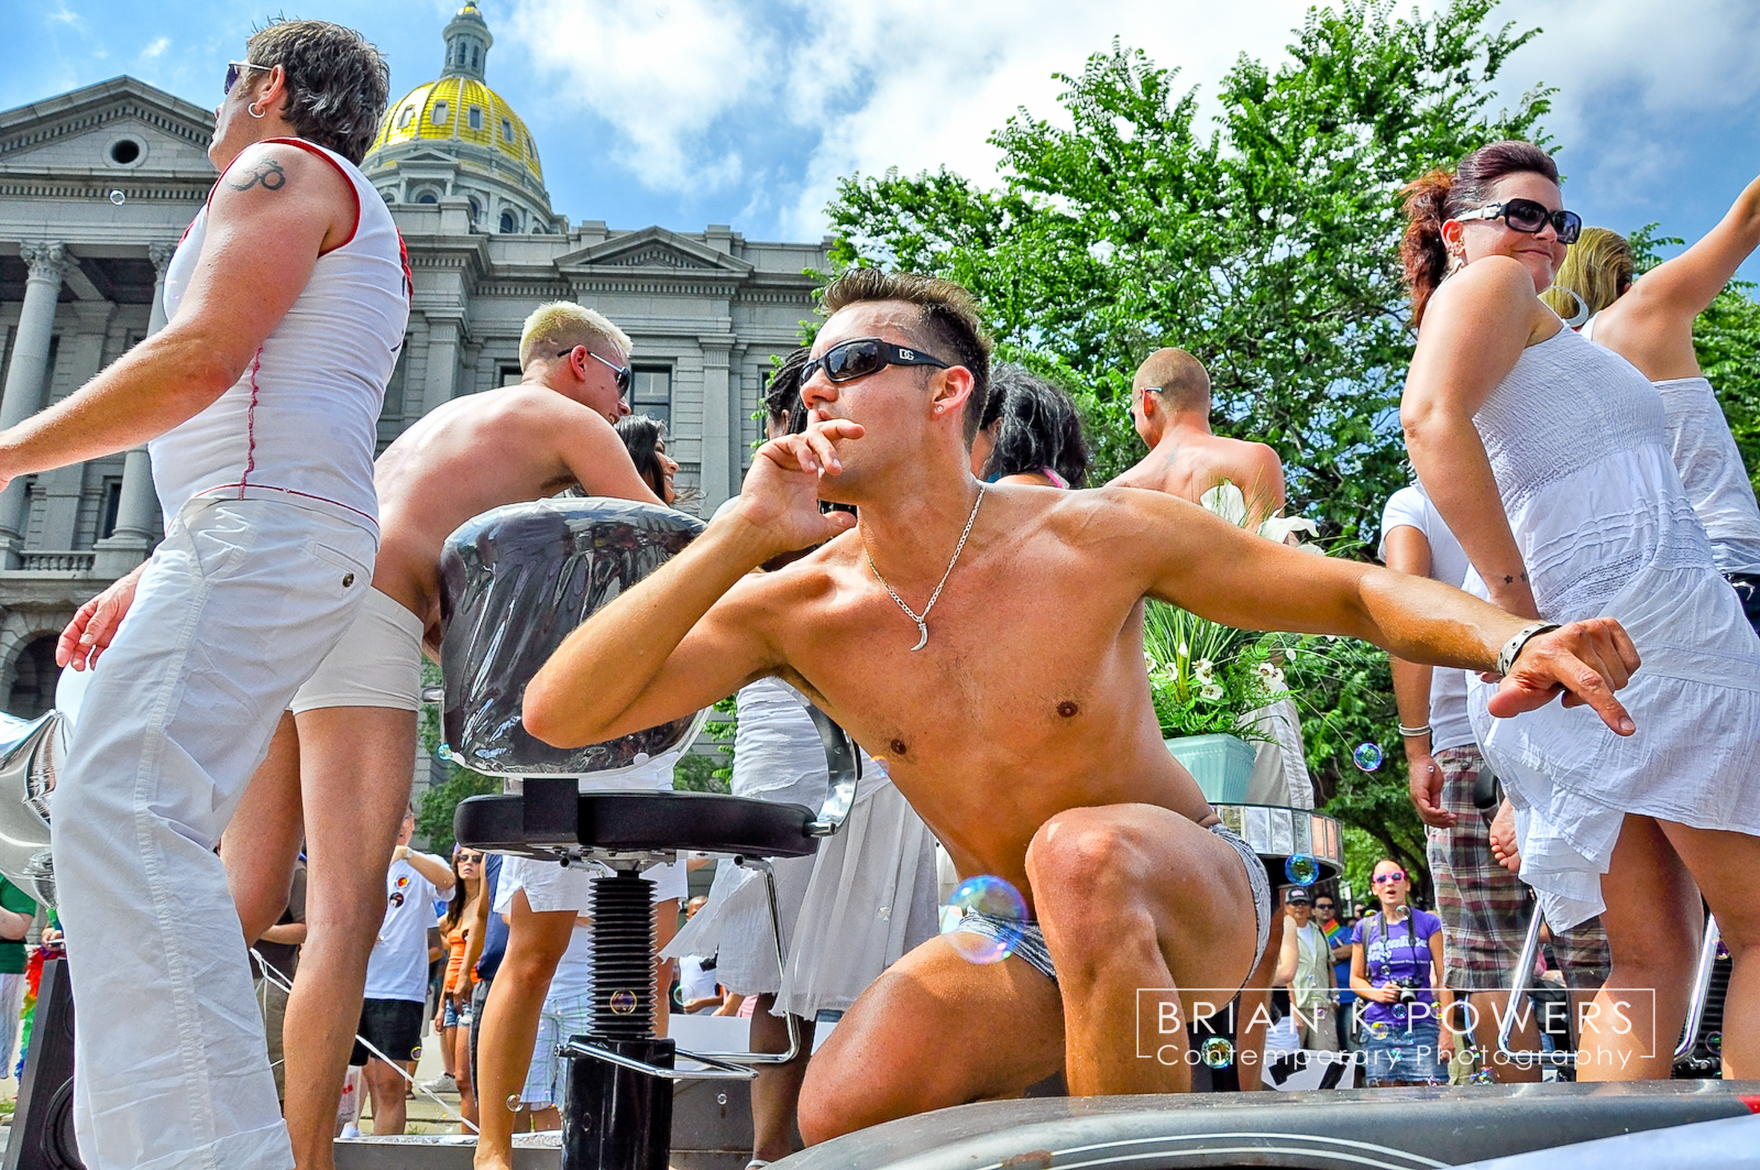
1409, 552
1215, 570
1474, 333
1652, 325
261, 244
590, 449
693, 631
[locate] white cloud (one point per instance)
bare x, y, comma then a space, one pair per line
155, 49
660, 71
62, 14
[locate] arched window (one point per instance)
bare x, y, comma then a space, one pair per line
476, 210
440, 113
33, 686
508, 223
427, 197
476, 117
403, 117
507, 131
476, 57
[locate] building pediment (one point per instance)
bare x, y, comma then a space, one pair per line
653, 249
118, 127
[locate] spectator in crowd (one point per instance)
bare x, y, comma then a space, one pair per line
486, 943
645, 437
274, 960
1396, 967
698, 992
1304, 965
395, 1005
1484, 909
1567, 514
1030, 433
453, 1022
1338, 940
17, 912
568, 1011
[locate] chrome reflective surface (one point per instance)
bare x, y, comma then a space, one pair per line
514, 583
1277, 834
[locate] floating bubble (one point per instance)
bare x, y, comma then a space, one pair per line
984, 919
514, 1104
1367, 756
721, 1098
444, 751
1714, 1043
1722, 949
640, 758
1379, 1029
1217, 1052
118, 198
415, 1053
1303, 869
1482, 1077
623, 1002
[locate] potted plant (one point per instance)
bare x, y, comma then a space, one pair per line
1208, 681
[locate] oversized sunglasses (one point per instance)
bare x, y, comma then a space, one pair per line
1398, 875
1525, 215
622, 372
234, 68
857, 358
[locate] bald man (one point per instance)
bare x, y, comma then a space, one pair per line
1170, 407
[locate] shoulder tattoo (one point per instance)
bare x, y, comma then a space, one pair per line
267, 173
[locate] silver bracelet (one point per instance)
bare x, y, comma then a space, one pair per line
1414, 731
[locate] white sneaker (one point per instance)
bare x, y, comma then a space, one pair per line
444, 1083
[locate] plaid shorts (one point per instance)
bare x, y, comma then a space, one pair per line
1485, 909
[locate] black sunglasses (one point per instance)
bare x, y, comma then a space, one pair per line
1525, 215
622, 372
234, 68
857, 358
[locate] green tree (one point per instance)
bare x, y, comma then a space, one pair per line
1266, 246
434, 810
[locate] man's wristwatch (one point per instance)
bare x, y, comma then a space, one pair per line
1512, 649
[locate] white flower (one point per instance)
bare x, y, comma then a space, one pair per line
1226, 501
1212, 693
1204, 670
1149, 662
1270, 675
1185, 651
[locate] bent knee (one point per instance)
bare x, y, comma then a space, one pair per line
1083, 850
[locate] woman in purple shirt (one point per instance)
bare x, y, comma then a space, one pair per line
1396, 967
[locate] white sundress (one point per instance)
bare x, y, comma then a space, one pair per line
1578, 443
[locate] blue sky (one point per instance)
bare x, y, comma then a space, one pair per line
688, 112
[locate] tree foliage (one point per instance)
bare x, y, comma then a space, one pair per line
1264, 245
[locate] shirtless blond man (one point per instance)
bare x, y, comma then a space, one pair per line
1170, 408
1021, 729
340, 766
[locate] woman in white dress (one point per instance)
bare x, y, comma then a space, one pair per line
1548, 457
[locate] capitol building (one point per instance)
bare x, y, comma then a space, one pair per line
98, 185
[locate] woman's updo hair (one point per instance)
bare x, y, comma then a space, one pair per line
1435, 198
1598, 268
1039, 428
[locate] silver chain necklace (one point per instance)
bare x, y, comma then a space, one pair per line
922, 619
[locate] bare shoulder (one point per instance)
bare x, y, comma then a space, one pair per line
1489, 281
278, 172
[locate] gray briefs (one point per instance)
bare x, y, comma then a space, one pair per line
1031, 942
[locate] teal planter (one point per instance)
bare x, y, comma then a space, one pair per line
1221, 764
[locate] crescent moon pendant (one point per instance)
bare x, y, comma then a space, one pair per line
923, 629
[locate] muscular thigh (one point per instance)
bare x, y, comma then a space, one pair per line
355, 774
935, 1030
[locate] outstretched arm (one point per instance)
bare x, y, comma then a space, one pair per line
1652, 325
592, 451
1408, 551
1215, 570
693, 631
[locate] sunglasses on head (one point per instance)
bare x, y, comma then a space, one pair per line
1397, 875
1525, 215
622, 372
235, 68
857, 358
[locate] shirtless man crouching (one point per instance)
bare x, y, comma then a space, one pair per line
340, 766
1021, 729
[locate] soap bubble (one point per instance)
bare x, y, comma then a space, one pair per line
984, 919
1378, 1029
1367, 756
1714, 1043
118, 198
640, 758
514, 1104
721, 1098
444, 751
623, 1002
1482, 1077
1722, 949
1217, 1052
1303, 869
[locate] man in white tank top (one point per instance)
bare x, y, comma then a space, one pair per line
286, 304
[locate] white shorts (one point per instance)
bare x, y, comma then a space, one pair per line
550, 886
378, 663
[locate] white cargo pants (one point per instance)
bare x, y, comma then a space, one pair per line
240, 603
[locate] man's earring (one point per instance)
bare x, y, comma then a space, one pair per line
253, 111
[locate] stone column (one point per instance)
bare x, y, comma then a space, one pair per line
28, 377
132, 539
441, 383
720, 467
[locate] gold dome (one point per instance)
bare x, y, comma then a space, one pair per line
459, 109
